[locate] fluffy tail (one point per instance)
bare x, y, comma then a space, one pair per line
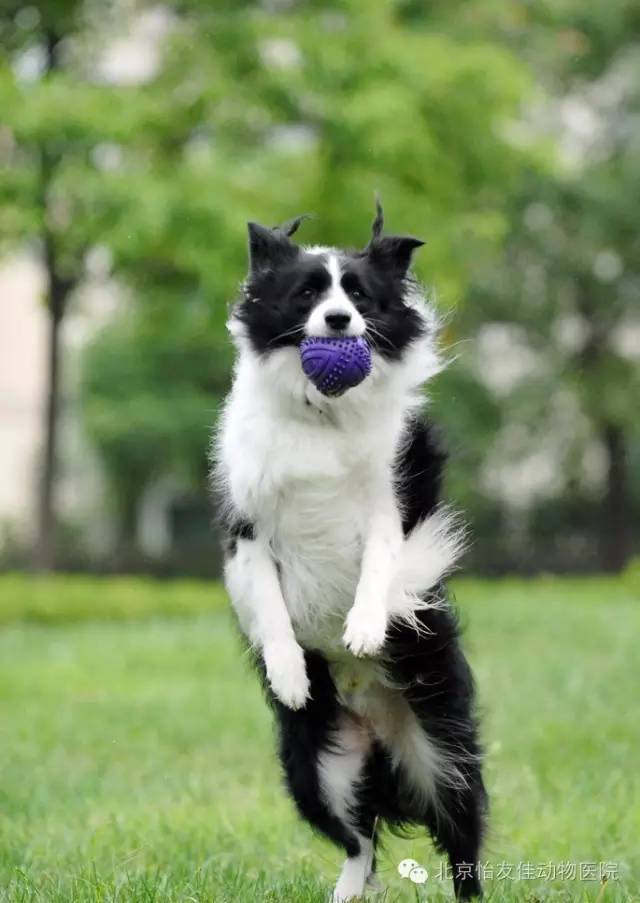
430, 552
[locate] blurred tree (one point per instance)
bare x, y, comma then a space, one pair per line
58, 119
33, 150
564, 301
260, 111
272, 114
87, 161
318, 106
150, 395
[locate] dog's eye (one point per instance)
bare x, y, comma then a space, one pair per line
356, 294
307, 294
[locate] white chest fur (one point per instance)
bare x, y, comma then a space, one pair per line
307, 474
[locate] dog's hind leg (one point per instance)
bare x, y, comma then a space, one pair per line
438, 749
457, 830
341, 767
323, 749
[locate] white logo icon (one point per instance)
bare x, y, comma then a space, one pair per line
418, 875
412, 870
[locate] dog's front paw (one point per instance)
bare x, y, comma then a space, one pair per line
365, 630
287, 673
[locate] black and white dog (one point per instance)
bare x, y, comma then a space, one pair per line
336, 549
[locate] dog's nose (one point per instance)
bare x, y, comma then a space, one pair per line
337, 319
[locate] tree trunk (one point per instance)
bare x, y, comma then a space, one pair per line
127, 557
45, 551
615, 521
57, 291
614, 528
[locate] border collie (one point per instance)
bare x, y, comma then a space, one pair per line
336, 547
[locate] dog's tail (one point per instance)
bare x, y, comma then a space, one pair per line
430, 552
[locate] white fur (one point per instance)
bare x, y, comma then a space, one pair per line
356, 874
366, 691
336, 300
252, 582
339, 772
340, 766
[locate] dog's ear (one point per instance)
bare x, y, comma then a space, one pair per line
391, 252
269, 247
292, 225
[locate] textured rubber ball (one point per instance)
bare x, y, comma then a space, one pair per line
334, 365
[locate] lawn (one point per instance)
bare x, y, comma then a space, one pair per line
136, 752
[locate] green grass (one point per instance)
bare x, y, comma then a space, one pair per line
136, 752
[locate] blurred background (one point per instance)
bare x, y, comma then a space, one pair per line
136, 140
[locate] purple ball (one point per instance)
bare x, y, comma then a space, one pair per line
334, 365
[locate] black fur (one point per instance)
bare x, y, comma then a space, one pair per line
235, 527
285, 282
419, 473
439, 689
437, 683
302, 734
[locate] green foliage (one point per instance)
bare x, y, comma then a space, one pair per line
150, 396
68, 599
454, 113
567, 289
375, 104
137, 758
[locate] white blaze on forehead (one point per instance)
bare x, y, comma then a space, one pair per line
335, 271
318, 249
334, 299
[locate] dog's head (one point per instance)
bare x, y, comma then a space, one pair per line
293, 291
